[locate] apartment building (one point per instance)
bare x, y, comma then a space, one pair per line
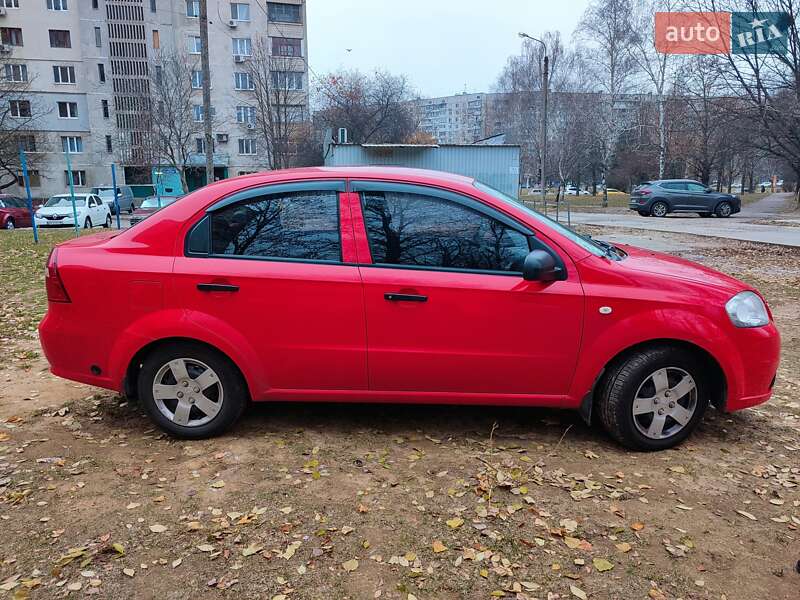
455, 119
89, 65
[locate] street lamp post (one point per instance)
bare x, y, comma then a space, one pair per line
545, 76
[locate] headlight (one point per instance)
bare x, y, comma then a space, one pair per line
747, 309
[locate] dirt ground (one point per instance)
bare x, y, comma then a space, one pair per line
398, 502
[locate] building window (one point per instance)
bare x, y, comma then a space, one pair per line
101, 72
72, 144
60, 38
283, 13
64, 74
158, 73
195, 44
57, 4
241, 46
193, 8
98, 37
104, 106
78, 178
9, 3
11, 36
243, 81
197, 111
247, 146
245, 114
20, 108
109, 147
197, 79
286, 47
240, 11
200, 145
95, 4
17, 73
67, 110
287, 80
27, 143
153, 6
156, 39
34, 178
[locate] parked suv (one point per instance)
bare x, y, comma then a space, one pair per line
382, 284
659, 198
125, 197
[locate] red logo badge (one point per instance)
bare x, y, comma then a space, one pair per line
693, 32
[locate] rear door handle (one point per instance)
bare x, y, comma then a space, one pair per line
405, 298
217, 287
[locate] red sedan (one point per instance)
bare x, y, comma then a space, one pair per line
13, 212
398, 285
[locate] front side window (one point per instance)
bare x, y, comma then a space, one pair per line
696, 187
241, 47
296, 225
20, 108
424, 231
283, 13
240, 11
60, 38
68, 110
675, 186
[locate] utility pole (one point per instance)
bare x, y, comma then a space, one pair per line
206, 70
545, 92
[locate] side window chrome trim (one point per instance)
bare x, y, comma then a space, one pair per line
435, 192
279, 188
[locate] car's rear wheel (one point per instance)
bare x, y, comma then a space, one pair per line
190, 390
131, 208
653, 399
724, 209
87, 224
10, 224
107, 224
659, 209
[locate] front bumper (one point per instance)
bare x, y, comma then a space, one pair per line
751, 366
65, 222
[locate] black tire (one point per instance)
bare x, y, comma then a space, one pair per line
87, 224
233, 389
724, 210
705, 215
659, 209
10, 224
107, 224
131, 208
625, 378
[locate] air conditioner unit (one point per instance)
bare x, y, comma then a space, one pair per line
251, 125
2, 11
5, 49
239, 58
222, 138
233, 24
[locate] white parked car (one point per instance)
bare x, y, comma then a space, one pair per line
57, 211
573, 191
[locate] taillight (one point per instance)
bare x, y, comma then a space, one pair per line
56, 292
644, 192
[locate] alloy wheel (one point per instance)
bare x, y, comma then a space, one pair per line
665, 403
188, 392
659, 209
724, 210
10, 224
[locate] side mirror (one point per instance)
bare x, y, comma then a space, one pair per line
708, 190
540, 266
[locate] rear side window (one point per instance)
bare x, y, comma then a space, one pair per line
695, 187
297, 225
425, 231
674, 186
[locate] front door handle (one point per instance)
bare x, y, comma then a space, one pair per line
405, 298
217, 287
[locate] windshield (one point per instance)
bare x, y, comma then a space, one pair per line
109, 194
584, 242
65, 201
152, 202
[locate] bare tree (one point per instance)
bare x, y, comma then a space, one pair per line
172, 126
18, 116
373, 108
280, 107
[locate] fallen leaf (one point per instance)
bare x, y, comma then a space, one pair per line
218, 484
133, 505
438, 546
578, 592
602, 565
455, 523
623, 547
157, 528
129, 572
252, 549
637, 526
746, 514
350, 565
205, 548
177, 563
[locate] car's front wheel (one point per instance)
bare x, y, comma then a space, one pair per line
653, 399
9, 224
190, 390
659, 209
107, 224
87, 224
724, 209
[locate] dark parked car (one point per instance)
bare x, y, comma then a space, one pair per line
13, 212
659, 198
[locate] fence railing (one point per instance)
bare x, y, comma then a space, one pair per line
555, 209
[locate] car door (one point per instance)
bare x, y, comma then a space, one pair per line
698, 198
448, 312
19, 210
675, 194
264, 269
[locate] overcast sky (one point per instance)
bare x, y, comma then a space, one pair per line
443, 46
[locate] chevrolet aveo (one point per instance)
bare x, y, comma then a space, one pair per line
397, 285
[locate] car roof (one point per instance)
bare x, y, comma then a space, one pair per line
371, 172
675, 181
68, 195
